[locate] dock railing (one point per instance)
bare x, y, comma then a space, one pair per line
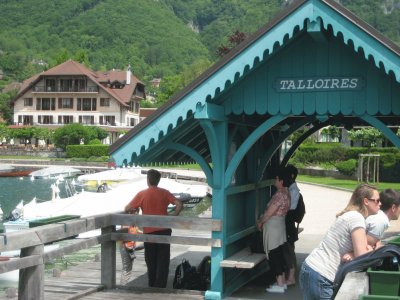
32, 259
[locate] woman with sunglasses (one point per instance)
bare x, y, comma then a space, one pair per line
346, 235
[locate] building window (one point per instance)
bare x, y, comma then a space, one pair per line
66, 85
104, 101
107, 120
50, 85
25, 120
28, 102
45, 119
65, 103
87, 120
46, 104
87, 104
65, 119
133, 122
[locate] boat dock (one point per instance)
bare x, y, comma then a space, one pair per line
84, 279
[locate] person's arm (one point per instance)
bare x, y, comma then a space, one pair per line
372, 241
359, 240
269, 212
178, 207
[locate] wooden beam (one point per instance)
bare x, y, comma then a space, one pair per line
31, 279
183, 240
167, 222
108, 260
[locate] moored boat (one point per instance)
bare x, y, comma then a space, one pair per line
55, 172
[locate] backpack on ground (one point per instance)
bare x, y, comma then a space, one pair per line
204, 269
186, 277
299, 211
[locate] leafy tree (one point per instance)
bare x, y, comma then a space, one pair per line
41, 133
5, 133
25, 134
234, 40
74, 134
332, 132
5, 107
369, 136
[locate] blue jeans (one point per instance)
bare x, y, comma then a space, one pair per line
314, 285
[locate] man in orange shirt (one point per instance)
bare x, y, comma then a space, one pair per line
155, 201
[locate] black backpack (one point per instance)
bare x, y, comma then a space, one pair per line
187, 277
299, 211
204, 269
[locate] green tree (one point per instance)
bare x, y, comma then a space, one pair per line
74, 134
332, 132
5, 107
5, 133
25, 134
45, 134
370, 137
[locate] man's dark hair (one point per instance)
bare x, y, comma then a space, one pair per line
153, 177
389, 197
292, 170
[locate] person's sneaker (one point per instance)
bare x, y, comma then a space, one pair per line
284, 286
276, 289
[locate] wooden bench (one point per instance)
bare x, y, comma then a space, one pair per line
244, 259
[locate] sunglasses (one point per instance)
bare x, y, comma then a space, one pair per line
375, 200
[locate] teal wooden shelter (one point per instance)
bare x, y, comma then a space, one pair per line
316, 64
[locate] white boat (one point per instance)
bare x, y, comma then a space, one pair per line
110, 177
112, 200
59, 172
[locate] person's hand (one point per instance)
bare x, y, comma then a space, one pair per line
259, 225
348, 257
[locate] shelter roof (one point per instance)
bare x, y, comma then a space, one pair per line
176, 120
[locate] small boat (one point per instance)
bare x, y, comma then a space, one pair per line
59, 172
110, 177
10, 171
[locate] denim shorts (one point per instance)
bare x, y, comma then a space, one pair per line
313, 285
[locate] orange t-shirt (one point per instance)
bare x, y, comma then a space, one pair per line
153, 201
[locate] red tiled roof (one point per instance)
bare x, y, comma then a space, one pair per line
145, 112
72, 68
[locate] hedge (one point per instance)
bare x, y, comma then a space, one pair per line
86, 151
345, 159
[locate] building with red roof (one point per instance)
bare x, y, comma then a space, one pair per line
72, 93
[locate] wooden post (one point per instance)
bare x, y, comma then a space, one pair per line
31, 279
108, 260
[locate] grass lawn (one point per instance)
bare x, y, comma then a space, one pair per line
343, 183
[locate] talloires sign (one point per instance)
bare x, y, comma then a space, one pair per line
317, 84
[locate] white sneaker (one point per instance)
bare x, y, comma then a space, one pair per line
276, 289
284, 286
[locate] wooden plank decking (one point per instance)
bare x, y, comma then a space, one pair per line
82, 281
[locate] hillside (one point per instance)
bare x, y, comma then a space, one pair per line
158, 37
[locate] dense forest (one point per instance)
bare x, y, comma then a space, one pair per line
171, 39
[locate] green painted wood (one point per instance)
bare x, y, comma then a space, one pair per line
255, 135
395, 96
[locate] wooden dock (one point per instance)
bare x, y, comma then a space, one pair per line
83, 281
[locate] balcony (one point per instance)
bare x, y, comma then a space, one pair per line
41, 89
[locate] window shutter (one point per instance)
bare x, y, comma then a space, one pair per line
40, 119
80, 119
101, 120
59, 103
92, 120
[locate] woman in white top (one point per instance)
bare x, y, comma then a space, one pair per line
346, 235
